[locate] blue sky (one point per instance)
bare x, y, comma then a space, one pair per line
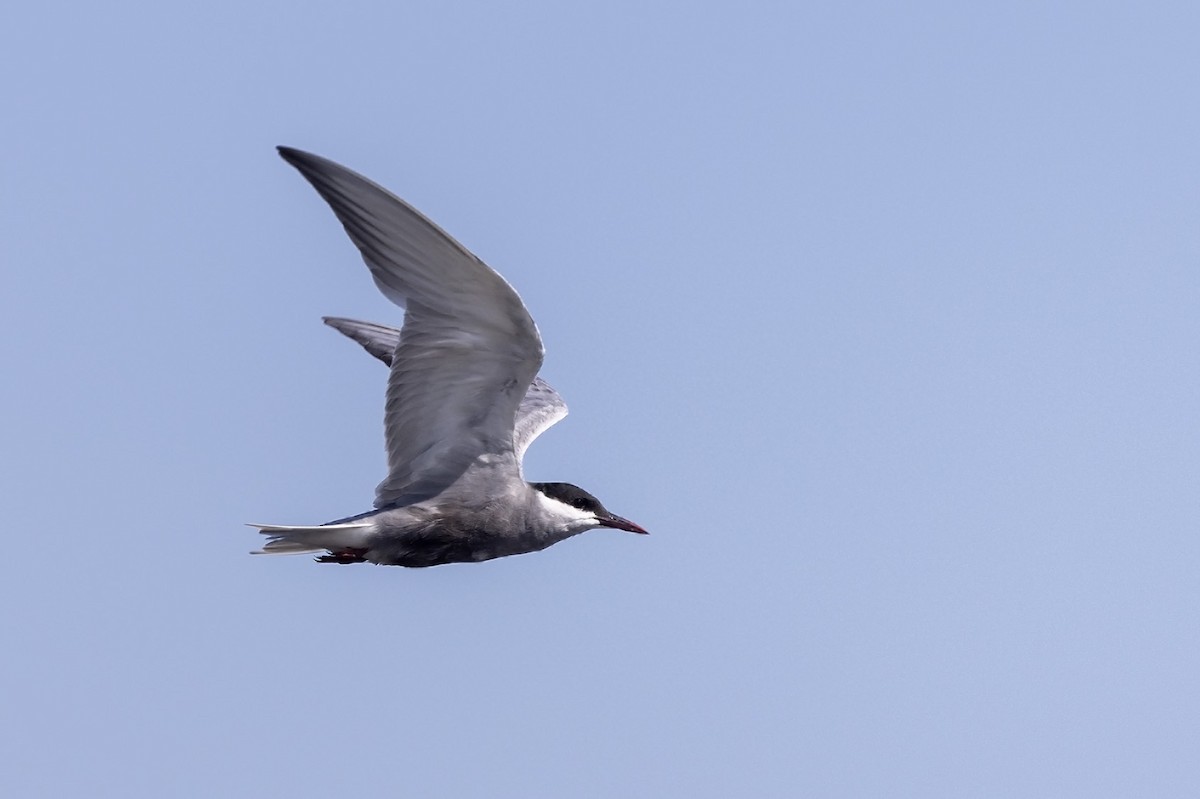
881, 317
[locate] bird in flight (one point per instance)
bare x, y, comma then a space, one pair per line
463, 404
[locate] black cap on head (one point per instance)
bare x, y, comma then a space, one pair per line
576, 497
571, 495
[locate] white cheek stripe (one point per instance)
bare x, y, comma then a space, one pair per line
565, 512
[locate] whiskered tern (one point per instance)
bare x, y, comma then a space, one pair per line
463, 400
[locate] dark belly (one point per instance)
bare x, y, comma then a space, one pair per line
435, 548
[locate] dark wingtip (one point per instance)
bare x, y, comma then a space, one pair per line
292, 155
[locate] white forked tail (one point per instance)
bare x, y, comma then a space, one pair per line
287, 540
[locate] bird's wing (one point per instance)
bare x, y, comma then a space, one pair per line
379, 340
468, 350
541, 407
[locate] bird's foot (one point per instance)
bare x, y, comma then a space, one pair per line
347, 555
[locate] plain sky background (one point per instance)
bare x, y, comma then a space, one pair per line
882, 317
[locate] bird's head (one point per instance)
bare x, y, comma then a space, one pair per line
578, 510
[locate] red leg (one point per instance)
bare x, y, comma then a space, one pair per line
347, 555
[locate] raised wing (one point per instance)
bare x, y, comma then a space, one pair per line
540, 409
379, 340
468, 349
